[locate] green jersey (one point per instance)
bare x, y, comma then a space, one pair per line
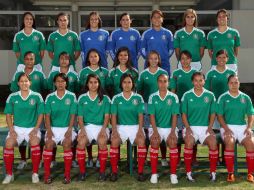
234, 109
217, 82
93, 110
115, 75
147, 82
228, 40
73, 82
198, 108
163, 109
34, 42
61, 109
101, 72
191, 42
127, 110
58, 43
25, 111
181, 81
38, 81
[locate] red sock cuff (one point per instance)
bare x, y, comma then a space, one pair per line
8, 150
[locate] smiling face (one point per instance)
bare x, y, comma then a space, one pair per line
29, 60
153, 60
24, 83
234, 84
60, 83
28, 21
185, 61
123, 57
190, 19
93, 84
222, 19
198, 82
157, 20
94, 21
64, 60
93, 58
127, 84
222, 59
162, 82
125, 22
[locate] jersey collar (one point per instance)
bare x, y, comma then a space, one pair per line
226, 68
200, 94
19, 92
118, 67
63, 95
92, 69
188, 32
158, 93
129, 97
234, 96
23, 31
69, 70
62, 34
155, 71
23, 70
90, 96
222, 32
186, 71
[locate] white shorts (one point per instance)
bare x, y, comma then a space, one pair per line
230, 66
238, 131
23, 134
199, 133
92, 132
180, 124
55, 68
21, 67
194, 65
163, 132
59, 133
128, 132
146, 117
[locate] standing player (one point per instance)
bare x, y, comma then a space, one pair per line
233, 107
159, 39
29, 39
224, 37
125, 37
122, 64
163, 107
63, 40
198, 114
191, 39
127, 123
93, 119
94, 38
24, 113
60, 110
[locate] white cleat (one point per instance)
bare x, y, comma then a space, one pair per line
8, 179
164, 162
89, 163
22, 165
154, 178
35, 178
98, 165
74, 164
173, 179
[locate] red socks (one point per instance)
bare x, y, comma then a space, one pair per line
47, 157
188, 158
114, 155
213, 157
250, 162
81, 157
67, 163
141, 158
8, 159
154, 159
36, 157
173, 160
103, 156
229, 159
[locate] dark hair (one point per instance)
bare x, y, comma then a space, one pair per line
87, 62
28, 52
163, 74
116, 61
192, 11
157, 11
124, 76
197, 73
88, 26
62, 76
222, 51
187, 53
232, 76
100, 90
24, 74
124, 14
61, 14
222, 11
156, 53
23, 24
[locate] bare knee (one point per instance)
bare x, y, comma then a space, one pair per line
10, 143
49, 144
229, 143
102, 142
34, 141
189, 141
155, 143
67, 144
212, 143
115, 142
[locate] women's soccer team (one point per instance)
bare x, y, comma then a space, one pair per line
138, 105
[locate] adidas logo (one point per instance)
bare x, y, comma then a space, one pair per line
120, 38
120, 103
88, 39
152, 38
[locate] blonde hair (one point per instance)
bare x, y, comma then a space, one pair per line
192, 11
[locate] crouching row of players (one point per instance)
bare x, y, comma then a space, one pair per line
93, 109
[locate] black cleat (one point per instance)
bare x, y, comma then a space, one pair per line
113, 177
66, 180
102, 177
48, 180
141, 177
82, 177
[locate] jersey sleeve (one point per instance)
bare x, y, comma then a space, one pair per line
143, 45
107, 105
50, 45
213, 105
138, 45
172, 84
14, 83
112, 45
184, 104
48, 106
237, 39
208, 81
176, 40
171, 44
249, 108
209, 42
41, 108
50, 85
151, 108
15, 44
141, 106
220, 106
80, 107
73, 109
9, 106
76, 44
114, 107
140, 84
176, 106
42, 42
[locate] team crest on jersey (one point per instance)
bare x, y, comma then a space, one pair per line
100, 38
67, 101
70, 79
243, 101
31, 101
206, 99
229, 35
69, 38
163, 37
195, 36
36, 77
132, 38
135, 102
35, 38
169, 102
101, 74
180, 76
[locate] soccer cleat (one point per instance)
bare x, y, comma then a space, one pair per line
154, 178
102, 177
48, 180
53, 164
231, 177
82, 177
213, 177
98, 164
8, 179
74, 164
141, 177
164, 162
113, 177
189, 177
250, 178
22, 165
173, 179
35, 178
89, 163
66, 180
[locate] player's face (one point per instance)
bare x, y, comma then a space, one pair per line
28, 21
93, 84
163, 83
198, 82
63, 22
24, 83
190, 19
157, 20
64, 61
29, 60
127, 84
125, 22
94, 21
234, 84
185, 61
60, 83
123, 57
222, 59
93, 58
153, 60
222, 19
